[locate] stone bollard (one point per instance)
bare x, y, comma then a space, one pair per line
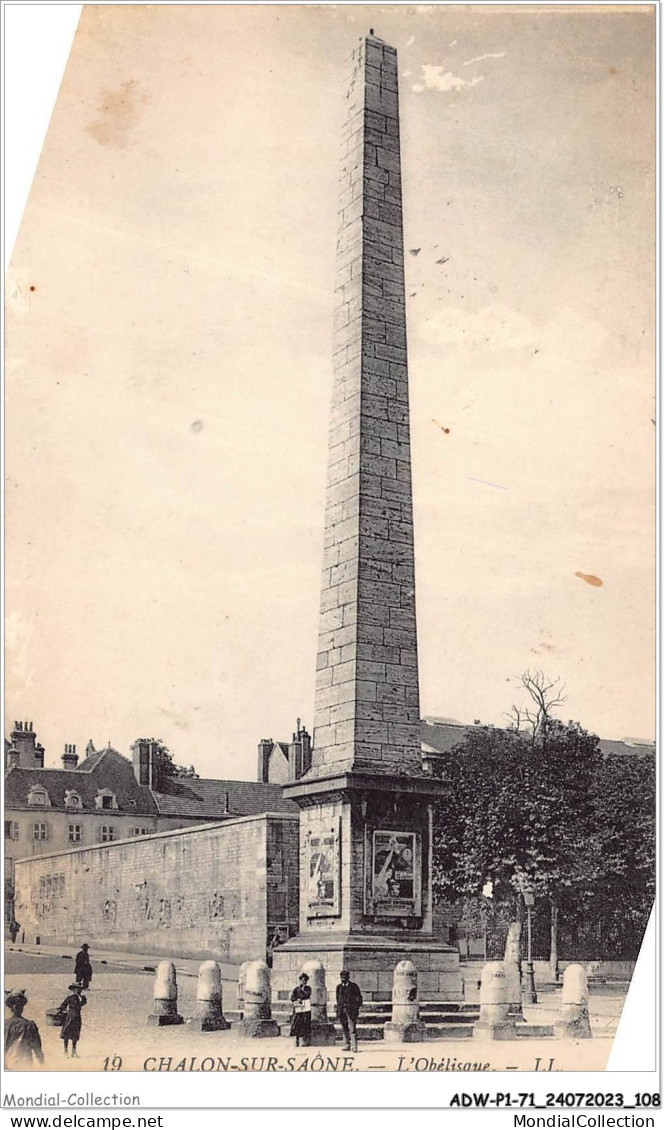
257, 1019
322, 1030
209, 1010
405, 1025
495, 1022
165, 993
513, 977
574, 1022
241, 978
512, 967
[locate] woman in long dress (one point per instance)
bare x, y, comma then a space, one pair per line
71, 1009
301, 1018
22, 1040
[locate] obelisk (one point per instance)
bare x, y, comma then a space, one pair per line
365, 820
367, 700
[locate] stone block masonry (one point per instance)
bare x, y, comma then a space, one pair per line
216, 891
367, 699
365, 803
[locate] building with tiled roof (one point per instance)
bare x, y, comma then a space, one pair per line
441, 735
109, 797
210, 799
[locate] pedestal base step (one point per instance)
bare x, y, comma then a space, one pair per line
602, 986
449, 1031
534, 1031
199, 1024
256, 1029
442, 1020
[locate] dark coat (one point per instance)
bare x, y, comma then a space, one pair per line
349, 999
22, 1041
71, 1009
301, 1021
82, 967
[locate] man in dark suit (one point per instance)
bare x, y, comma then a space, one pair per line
82, 966
349, 1003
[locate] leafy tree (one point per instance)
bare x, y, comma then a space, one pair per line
624, 843
519, 816
537, 807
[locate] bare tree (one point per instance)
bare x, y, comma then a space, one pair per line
545, 696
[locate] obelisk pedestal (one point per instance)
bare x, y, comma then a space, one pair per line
366, 804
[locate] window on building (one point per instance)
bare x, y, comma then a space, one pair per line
11, 830
38, 796
140, 831
75, 833
106, 799
106, 833
72, 799
40, 831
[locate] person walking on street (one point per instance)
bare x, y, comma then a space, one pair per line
82, 967
71, 1010
301, 1019
14, 928
22, 1040
349, 1003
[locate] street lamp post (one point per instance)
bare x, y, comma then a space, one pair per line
529, 994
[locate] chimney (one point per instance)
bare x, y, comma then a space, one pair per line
12, 758
299, 753
30, 752
145, 767
265, 747
306, 750
70, 757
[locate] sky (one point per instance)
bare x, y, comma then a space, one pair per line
169, 328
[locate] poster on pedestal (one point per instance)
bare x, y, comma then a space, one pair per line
395, 889
323, 873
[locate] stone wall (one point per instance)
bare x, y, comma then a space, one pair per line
217, 890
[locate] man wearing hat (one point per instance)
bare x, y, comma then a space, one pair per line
82, 966
349, 1003
22, 1040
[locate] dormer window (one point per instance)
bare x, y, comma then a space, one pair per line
72, 799
38, 796
105, 799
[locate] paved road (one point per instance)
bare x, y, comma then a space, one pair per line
119, 1002
16, 963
